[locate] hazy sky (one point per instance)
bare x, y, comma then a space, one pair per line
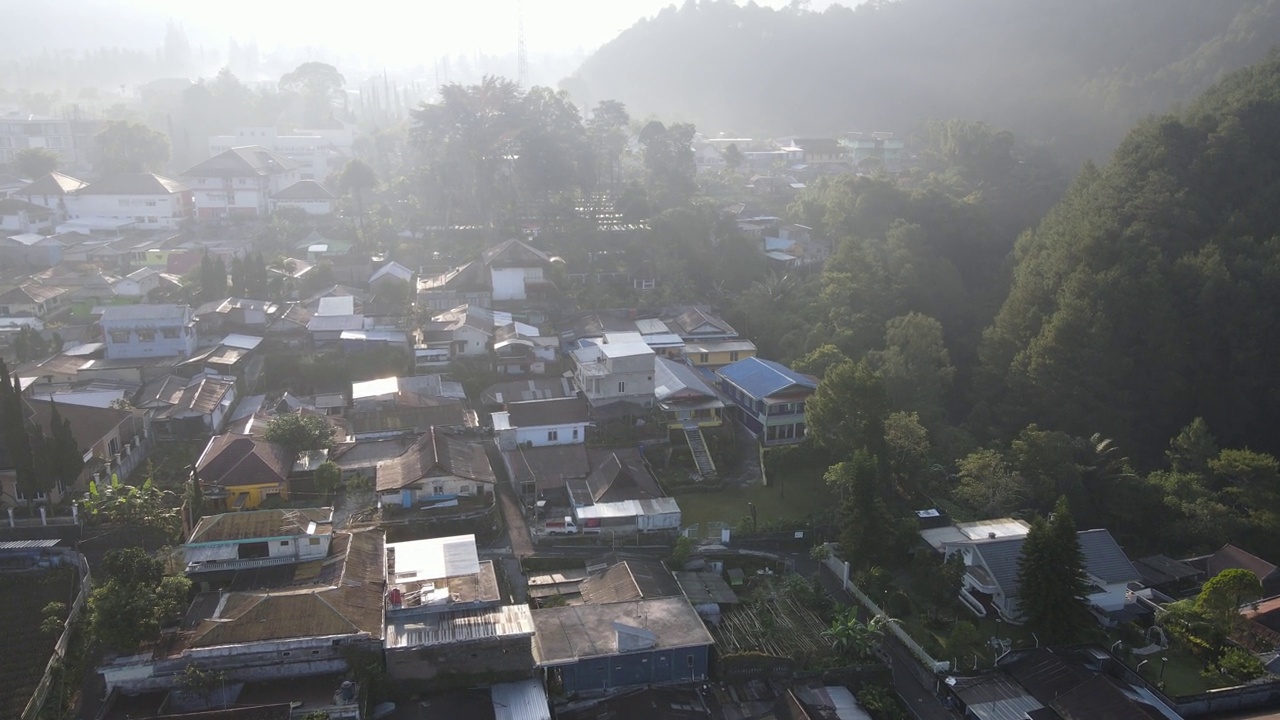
392, 30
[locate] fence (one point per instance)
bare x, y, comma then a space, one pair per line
841, 570
41, 694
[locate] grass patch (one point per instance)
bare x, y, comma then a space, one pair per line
792, 494
1181, 675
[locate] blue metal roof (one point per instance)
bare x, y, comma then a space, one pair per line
762, 378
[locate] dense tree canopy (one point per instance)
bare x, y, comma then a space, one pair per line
1150, 296
1075, 73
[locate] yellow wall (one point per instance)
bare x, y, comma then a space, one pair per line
257, 493
719, 358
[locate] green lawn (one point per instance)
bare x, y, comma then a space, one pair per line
1181, 674
792, 495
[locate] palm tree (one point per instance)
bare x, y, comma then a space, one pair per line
854, 639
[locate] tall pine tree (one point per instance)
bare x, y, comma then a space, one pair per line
1051, 579
17, 443
867, 533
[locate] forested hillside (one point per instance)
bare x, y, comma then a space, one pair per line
1078, 73
1151, 295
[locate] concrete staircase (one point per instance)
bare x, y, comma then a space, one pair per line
698, 446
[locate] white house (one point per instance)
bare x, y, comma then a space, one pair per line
20, 216
309, 196
138, 283
320, 152
137, 331
992, 549
145, 200
50, 192
240, 181
469, 328
515, 268
539, 423
258, 538
617, 370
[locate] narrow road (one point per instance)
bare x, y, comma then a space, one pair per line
509, 504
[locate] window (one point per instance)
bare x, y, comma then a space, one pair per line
575, 433
733, 356
170, 333
286, 653
704, 358
119, 336
622, 386
313, 541
124, 202
595, 386
113, 447
553, 435
688, 661
437, 490
146, 336
151, 203
284, 543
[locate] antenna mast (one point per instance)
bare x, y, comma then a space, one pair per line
522, 58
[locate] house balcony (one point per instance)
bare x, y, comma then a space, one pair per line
701, 417
977, 578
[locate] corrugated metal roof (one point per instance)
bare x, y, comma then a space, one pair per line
462, 626
27, 544
524, 700
762, 378
629, 508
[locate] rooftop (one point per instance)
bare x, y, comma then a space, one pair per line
460, 626
304, 190
55, 183
629, 580
762, 378
259, 524
548, 466
245, 161
524, 390
558, 411
436, 453
704, 587
155, 313
134, 184
231, 460
573, 633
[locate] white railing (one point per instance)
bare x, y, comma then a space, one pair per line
841, 570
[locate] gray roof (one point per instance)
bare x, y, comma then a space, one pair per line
567, 635
1001, 558
629, 580
705, 587
117, 313
1104, 559
556, 411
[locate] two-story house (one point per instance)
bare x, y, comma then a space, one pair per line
989, 586
112, 442
240, 181
540, 423
51, 192
684, 396
144, 200
768, 398
516, 270
616, 375
139, 331
19, 216
230, 542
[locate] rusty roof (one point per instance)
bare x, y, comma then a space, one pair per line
436, 453
230, 460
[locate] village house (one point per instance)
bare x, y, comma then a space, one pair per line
437, 470
20, 216
590, 648
142, 331
143, 200
768, 399
405, 404
43, 302
540, 423
242, 471
199, 409
229, 542
240, 181
520, 349
320, 151
51, 192
300, 624
29, 251
113, 442
308, 196
616, 375
992, 549
620, 497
